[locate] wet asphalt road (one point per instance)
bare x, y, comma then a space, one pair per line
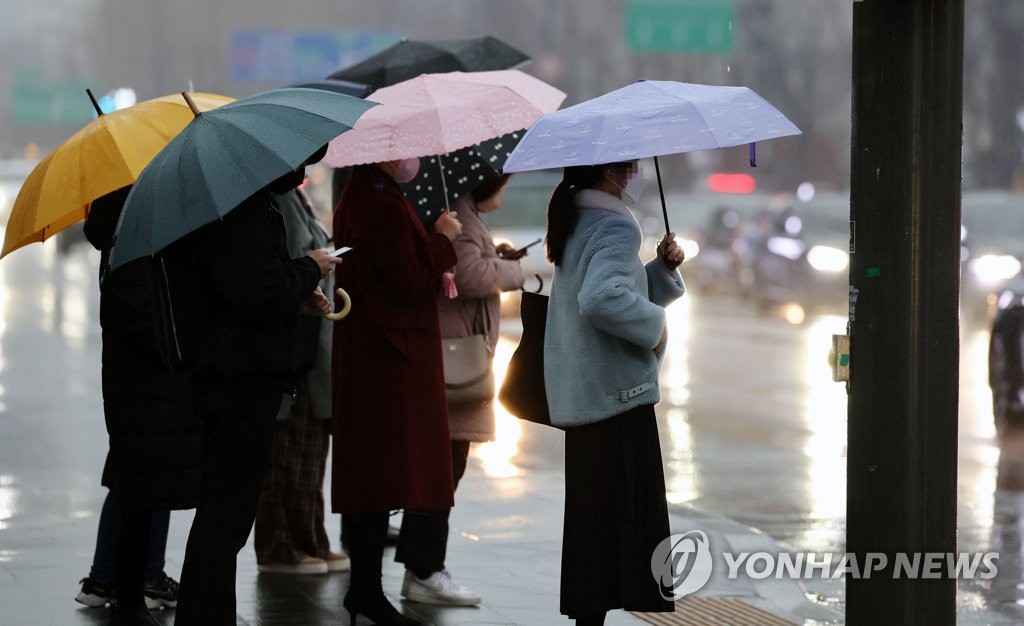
753, 428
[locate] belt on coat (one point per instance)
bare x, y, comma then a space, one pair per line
629, 394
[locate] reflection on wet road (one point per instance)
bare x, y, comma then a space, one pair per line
754, 428
752, 425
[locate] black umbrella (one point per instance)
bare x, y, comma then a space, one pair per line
464, 170
408, 59
344, 87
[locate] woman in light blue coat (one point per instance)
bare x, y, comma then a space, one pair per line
604, 343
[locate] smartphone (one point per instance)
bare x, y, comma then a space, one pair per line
340, 251
527, 246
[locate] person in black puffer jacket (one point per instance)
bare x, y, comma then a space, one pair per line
154, 461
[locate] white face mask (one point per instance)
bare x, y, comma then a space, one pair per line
630, 192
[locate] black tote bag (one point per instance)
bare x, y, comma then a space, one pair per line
522, 392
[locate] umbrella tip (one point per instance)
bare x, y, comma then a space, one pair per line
95, 105
191, 103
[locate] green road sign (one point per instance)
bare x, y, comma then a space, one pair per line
687, 26
37, 101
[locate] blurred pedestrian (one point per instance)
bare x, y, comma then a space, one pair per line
289, 536
154, 460
391, 443
481, 274
251, 294
604, 342
1006, 361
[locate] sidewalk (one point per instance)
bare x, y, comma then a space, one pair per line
505, 544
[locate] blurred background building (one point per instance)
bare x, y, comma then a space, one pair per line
793, 52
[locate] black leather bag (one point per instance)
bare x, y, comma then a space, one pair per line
522, 392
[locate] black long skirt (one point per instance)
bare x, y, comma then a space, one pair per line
615, 515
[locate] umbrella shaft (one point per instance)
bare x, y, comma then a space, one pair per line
661, 191
444, 185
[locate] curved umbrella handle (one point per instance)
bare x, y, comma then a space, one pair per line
334, 317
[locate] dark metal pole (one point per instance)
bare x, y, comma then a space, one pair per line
904, 343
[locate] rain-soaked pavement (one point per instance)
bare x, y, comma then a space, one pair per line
753, 432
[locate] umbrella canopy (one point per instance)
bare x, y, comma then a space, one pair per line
464, 170
408, 59
646, 119
358, 90
107, 154
440, 113
224, 156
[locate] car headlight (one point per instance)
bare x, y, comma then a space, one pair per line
786, 247
828, 259
993, 269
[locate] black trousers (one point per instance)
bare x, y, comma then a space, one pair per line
131, 556
423, 542
237, 436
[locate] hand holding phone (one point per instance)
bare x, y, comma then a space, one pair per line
513, 255
337, 252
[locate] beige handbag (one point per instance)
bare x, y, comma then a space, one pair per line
468, 375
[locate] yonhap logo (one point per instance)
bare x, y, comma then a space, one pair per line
682, 564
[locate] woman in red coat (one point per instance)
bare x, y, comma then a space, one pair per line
391, 441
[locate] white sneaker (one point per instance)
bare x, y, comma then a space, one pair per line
438, 588
338, 562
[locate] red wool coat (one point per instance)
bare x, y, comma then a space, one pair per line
391, 441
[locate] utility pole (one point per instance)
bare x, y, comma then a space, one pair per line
904, 335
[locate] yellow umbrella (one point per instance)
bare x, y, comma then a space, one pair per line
109, 153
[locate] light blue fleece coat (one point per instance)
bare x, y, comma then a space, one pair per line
605, 317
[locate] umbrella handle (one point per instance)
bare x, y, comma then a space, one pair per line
340, 315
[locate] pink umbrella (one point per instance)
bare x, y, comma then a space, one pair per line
440, 113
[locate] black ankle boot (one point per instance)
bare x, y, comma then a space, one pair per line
377, 608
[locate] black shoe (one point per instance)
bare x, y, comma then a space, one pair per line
376, 607
138, 616
162, 595
94, 593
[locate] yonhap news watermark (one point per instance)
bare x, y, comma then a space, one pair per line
683, 564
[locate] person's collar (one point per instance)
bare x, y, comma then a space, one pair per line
596, 199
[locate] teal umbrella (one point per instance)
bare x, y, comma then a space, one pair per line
224, 156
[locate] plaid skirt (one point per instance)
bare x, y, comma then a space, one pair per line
290, 517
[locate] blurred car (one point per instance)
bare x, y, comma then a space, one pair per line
522, 220
712, 229
799, 255
992, 247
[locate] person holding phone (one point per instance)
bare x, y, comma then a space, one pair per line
481, 274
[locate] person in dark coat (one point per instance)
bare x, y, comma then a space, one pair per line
1006, 364
154, 461
251, 294
391, 442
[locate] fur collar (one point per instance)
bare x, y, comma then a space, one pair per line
595, 199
